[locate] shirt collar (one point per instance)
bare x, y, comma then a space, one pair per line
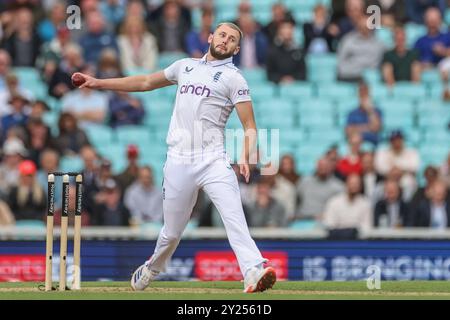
216, 62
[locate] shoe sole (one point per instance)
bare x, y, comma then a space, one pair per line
266, 282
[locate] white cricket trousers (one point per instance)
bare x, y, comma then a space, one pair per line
182, 181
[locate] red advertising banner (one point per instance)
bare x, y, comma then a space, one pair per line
22, 268
223, 266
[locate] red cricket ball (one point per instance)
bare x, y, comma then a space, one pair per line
78, 80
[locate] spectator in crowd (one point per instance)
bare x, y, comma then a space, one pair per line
24, 43
359, 50
143, 199
49, 162
445, 170
370, 177
113, 11
346, 17
108, 65
109, 210
27, 200
316, 33
131, 172
253, 45
125, 109
170, 28
316, 190
90, 107
434, 212
400, 63
287, 181
280, 14
431, 175
285, 61
61, 80
392, 11
17, 117
104, 173
391, 211
366, 119
12, 88
90, 173
157, 13
197, 41
71, 139
38, 109
266, 211
52, 53
85, 216
13, 154
406, 160
97, 38
416, 9
47, 28
5, 67
351, 163
138, 47
348, 213
39, 139
433, 46
6, 216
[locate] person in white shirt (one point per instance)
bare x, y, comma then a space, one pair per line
144, 200
208, 90
349, 210
406, 160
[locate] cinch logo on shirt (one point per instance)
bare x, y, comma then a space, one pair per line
197, 90
244, 92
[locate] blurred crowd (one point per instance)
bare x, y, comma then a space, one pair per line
361, 189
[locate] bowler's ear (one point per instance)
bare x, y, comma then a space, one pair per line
210, 38
236, 51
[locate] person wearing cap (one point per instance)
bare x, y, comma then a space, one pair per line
109, 209
17, 117
12, 88
397, 156
13, 153
131, 172
27, 200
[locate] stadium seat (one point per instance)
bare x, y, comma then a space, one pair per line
304, 225
327, 137
439, 119
396, 105
385, 36
431, 77
266, 108
71, 164
34, 224
166, 59
100, 135
372, 76
262, 91
322, 68
27, 75
133, 135
379, 91
297, 90
409, 90
257, 75
292, 136
337, 91
413, 33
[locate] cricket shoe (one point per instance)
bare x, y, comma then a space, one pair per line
142, 277
259, 280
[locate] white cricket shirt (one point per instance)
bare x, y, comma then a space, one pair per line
206, 95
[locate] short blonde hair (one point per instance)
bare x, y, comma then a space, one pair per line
232, 26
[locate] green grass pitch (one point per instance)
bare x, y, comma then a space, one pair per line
233, 290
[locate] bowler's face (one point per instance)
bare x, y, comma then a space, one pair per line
225, 41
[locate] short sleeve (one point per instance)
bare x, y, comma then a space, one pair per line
172, 71
239, 89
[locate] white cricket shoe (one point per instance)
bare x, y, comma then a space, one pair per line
142, 277
259, 280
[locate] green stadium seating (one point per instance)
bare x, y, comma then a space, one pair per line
431, 77
328, 137
100, 135
322, 67
27, 75
413, 33
257, 75
166, 59
396, 105
133, 135
385, 36
337, 91
33, 224
297, 90
439, 119
281, 105
372, 76
262, 91
409, 90
71, 164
